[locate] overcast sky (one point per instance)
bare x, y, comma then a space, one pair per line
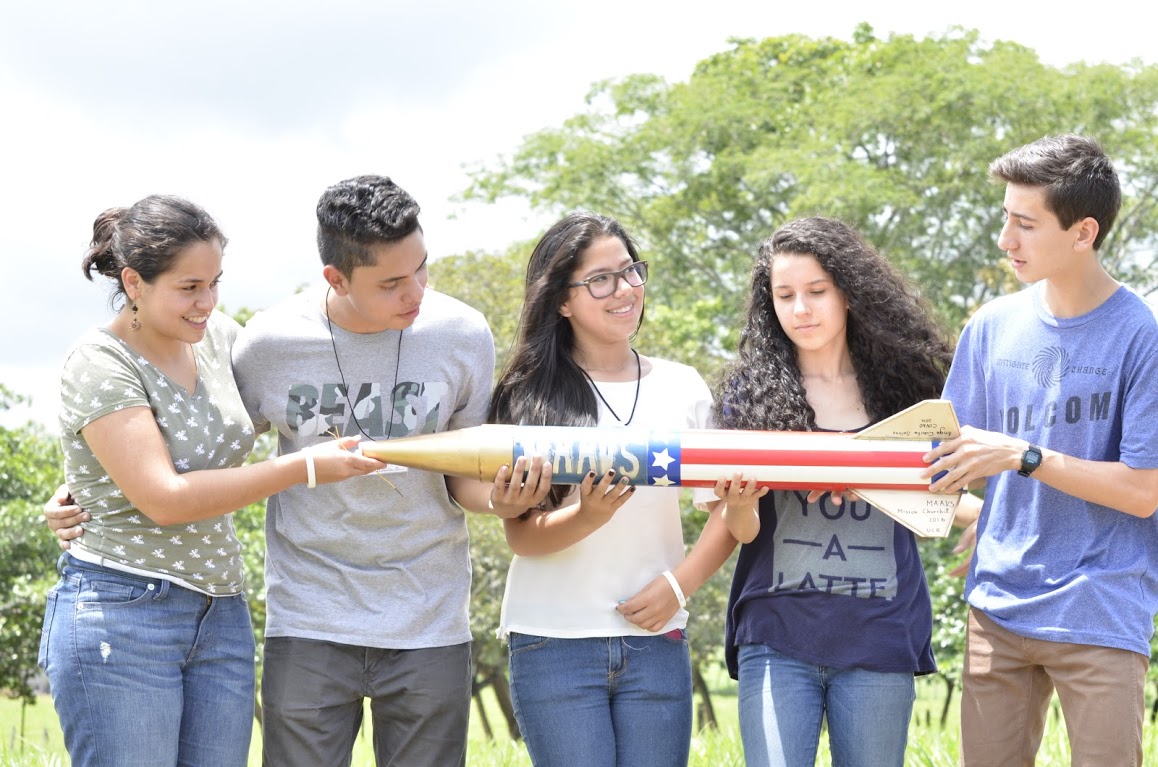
251, 108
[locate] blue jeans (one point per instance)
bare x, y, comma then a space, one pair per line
603, 701
783, 702
147, 673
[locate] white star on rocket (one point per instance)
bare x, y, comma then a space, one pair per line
662, 459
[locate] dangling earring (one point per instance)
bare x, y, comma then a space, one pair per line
135, 324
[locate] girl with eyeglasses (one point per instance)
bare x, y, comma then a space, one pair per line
594, 605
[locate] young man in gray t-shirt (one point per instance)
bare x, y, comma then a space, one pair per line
368, 581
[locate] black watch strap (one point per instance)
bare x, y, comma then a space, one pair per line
1030, 460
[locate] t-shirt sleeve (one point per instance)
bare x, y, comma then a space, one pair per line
702, 497
97, 380
702, 410
475, 392
246, 370
1139, 445
702, 418
965, 384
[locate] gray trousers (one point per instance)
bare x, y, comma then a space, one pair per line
312, 699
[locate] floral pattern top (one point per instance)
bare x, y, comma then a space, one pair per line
204, 429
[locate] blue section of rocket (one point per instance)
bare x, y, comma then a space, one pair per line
936, 443
663, 466
645, 458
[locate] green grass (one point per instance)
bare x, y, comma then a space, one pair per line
929, 745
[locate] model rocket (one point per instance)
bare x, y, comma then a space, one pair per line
881, 463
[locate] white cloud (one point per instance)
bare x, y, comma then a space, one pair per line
252, 108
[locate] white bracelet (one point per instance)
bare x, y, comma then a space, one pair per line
675, 586
311, 475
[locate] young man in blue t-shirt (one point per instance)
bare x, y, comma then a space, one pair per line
1057, 390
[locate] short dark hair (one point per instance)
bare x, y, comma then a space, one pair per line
1078, 178
358, 213
146, 237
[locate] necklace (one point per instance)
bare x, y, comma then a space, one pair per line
346, 389
638, 376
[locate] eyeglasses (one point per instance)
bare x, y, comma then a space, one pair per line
604, 284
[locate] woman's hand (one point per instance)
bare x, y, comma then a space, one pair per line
511, 497
598, 501
652, 607
837, 497
587, 508
741, 506
337, 460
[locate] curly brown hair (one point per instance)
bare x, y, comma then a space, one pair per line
900, 354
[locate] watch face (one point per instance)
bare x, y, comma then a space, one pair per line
1030, 460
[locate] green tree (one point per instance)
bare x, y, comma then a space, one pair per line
490, 559
30, 460
249, 522
893, 135
949, 615
492, 283
706, 611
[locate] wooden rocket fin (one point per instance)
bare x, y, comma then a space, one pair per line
929, 515
932, 419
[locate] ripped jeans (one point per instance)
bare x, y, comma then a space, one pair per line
603, 701
145, 672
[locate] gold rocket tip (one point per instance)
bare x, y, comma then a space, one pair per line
476, 452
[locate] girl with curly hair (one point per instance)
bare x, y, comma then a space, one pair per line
829, 616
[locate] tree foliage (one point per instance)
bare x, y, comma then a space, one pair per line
492, 284
892, 135
30, 461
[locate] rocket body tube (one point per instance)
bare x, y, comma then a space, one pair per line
883, 463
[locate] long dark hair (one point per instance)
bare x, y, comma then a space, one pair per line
899, 353
542, 384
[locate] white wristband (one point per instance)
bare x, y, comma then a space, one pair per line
675, 586
311, 475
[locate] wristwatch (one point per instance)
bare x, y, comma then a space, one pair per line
1030, 460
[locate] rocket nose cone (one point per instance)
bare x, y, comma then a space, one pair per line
475, 452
